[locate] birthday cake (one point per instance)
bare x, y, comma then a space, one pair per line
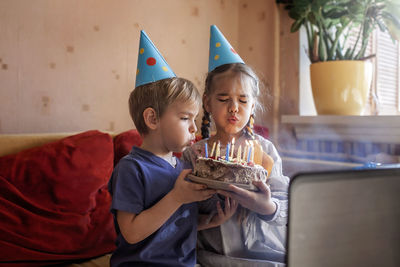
229, 171
236, 169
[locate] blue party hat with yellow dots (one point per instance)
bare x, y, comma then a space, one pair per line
221, 51
151, 66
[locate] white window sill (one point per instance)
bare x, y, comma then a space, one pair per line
377, 129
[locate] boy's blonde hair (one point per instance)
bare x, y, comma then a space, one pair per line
159, 95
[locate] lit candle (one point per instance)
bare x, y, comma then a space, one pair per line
258, 153
206, 149
212, 150
217, 152
239, 153
248, 154
227, 151
233, 147
245, 151
252, 152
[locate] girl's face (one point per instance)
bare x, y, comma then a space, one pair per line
230, 103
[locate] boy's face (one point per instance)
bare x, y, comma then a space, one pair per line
177, 125
230, 103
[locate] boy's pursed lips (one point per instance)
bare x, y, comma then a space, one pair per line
191, 142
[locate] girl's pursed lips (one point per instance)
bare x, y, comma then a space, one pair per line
233, 119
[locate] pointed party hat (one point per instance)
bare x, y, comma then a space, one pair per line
151, 66
221, 51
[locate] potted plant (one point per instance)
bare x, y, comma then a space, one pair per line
340, 73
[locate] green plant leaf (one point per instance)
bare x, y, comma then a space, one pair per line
322, 48
392, 22
381, 25
328, 23
296, 25
347, 55
334, 14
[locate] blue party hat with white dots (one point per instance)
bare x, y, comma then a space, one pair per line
221, 51
151, 66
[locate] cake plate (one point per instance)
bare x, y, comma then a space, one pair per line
219, 184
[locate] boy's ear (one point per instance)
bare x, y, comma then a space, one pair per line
150, 118
206, 103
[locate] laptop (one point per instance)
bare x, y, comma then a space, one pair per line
344, 218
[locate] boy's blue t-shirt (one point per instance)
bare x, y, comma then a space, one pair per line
139, 181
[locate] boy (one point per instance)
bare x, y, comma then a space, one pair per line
152, 203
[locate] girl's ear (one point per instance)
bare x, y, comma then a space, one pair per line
253, 107
206, 103
150, 118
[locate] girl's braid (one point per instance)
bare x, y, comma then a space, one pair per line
205, 124
249, 127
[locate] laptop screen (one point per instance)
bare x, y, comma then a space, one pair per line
344, 218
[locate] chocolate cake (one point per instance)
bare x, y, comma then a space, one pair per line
228, 171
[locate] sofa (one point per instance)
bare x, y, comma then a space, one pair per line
54, 203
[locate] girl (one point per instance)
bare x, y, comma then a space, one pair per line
256, 233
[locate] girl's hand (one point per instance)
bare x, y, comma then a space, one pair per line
224, 215
259, 201
206, 221
187, 192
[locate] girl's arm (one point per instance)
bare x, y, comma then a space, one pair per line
137, 227
259, 202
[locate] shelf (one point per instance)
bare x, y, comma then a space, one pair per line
376, 129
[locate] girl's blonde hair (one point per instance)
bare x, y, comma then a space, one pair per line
235, 69
159, 95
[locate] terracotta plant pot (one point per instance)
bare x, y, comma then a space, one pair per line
340, 87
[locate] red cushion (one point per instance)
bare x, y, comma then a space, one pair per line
123, 143
54, 204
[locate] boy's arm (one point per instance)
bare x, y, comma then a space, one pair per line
137, 227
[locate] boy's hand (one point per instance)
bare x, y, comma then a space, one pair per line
259, 201
187, 192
